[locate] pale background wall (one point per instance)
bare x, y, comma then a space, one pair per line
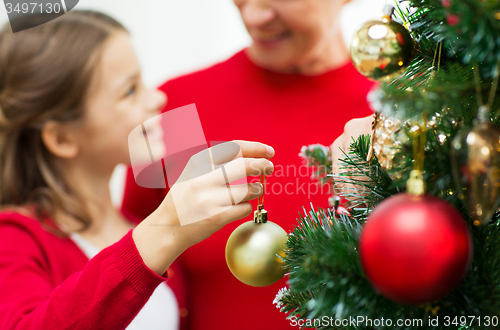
178, 36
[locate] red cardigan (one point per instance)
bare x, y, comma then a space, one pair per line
46, 282
238, 100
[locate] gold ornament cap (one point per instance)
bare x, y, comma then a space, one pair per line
415, 184
260, 215
388, 11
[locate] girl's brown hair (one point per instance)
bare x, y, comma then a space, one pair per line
45, 73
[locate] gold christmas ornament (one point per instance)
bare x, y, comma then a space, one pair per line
476, 168
252, 253
254, 250
384, 142
381, 50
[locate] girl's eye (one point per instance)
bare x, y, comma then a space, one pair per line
131, 91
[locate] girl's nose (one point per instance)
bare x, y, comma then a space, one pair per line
157, 101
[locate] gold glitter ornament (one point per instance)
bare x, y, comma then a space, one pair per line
382, 49
385, 141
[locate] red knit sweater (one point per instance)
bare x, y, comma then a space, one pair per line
46, 282
238, 100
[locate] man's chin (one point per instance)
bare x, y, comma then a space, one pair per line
274, 60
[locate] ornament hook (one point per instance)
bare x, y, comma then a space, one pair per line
260, 215
416, 184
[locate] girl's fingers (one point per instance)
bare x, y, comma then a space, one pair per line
243, 167
245, 192
250, 149
236, 212
230, 160
222, 175
228, 151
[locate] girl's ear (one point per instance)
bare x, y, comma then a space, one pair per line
60, 140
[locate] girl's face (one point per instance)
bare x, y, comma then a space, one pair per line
117, 102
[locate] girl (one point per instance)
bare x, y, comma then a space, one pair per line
70, 93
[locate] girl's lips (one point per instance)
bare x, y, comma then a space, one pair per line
155, 135
154, 132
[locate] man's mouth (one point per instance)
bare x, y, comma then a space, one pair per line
270, 37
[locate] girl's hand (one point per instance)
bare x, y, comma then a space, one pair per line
200, 202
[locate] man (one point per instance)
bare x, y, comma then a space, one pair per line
293, 86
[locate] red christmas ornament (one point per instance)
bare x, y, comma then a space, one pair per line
446, 3
415, 249
452, 19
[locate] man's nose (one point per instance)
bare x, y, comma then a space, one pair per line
256, 13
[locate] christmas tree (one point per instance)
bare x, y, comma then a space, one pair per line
429, 174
